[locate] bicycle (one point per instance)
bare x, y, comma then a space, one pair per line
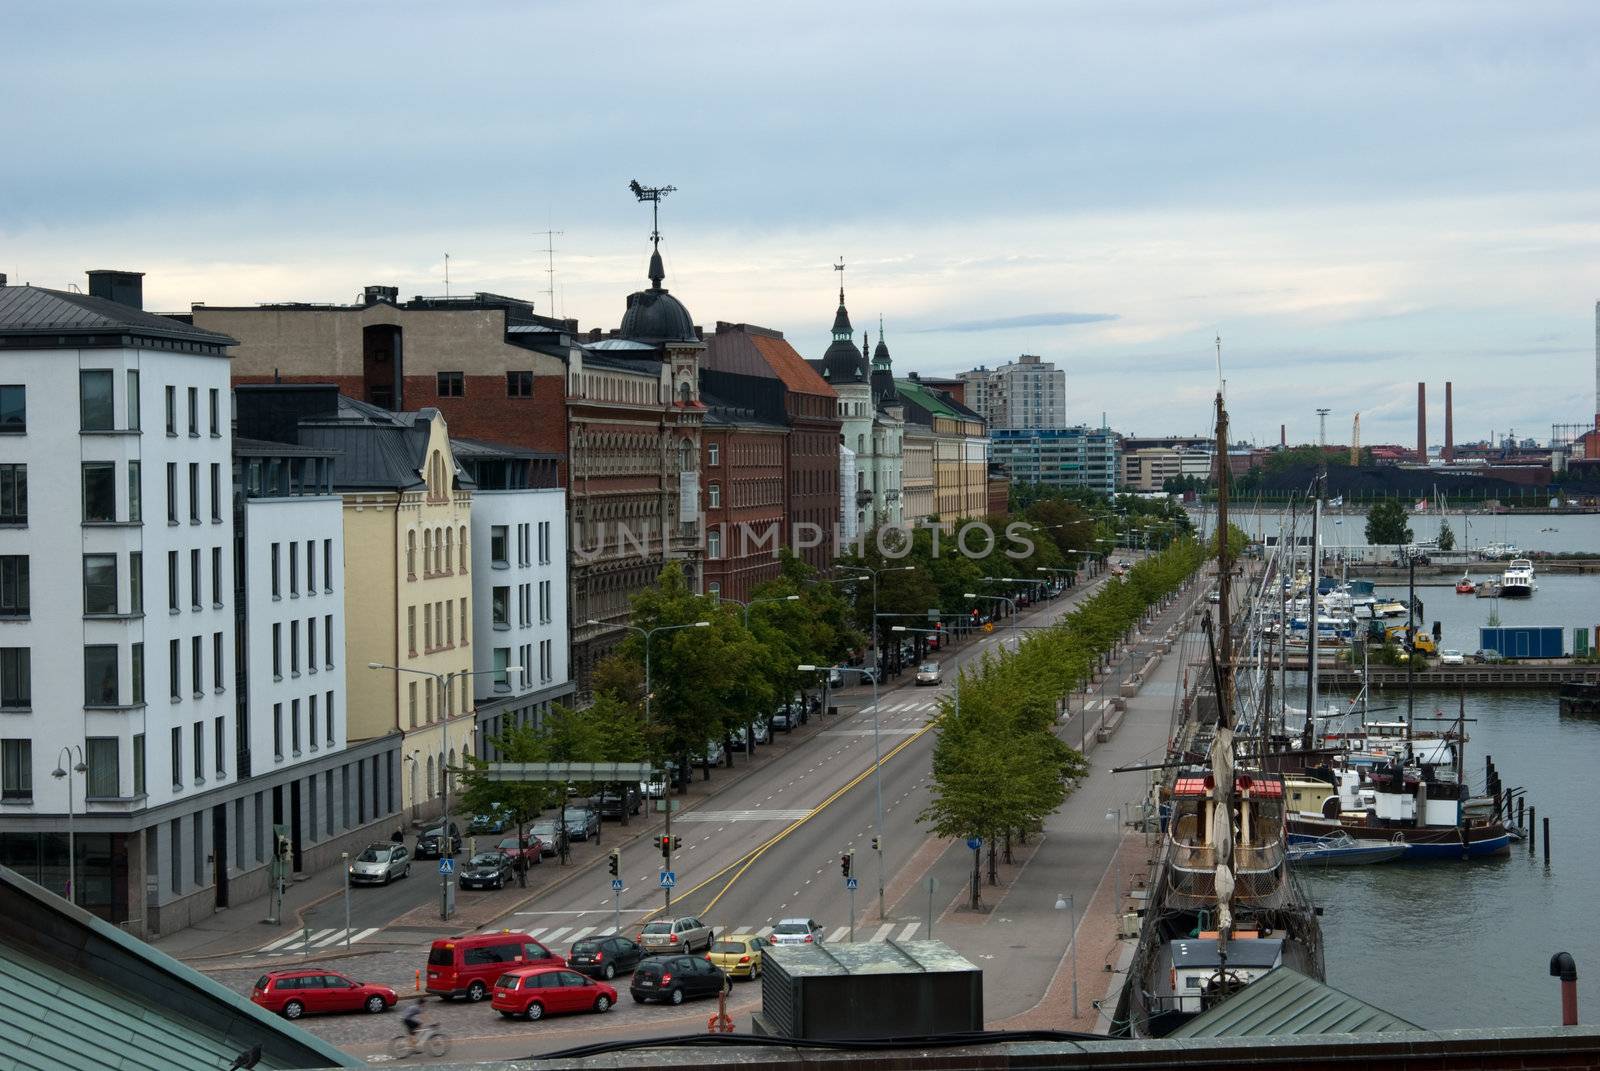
429, 1039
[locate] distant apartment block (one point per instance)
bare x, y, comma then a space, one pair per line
1059, 457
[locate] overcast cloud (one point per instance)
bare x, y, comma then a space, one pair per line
1355, 196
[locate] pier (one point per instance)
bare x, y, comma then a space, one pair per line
1545, 673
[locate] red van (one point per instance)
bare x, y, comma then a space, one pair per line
468, 966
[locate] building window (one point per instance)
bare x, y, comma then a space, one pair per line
411, 629
216, 427
499, 550
463, 548
713, 544
311, 720
99, 583
100, 675
16, 769
411, 702
502, 659
16, 678
311, 644
463, 630
133, 399
194, 578
172, 492
452, 385
277, 651
15, 601
500, 607
294, 727
96, 407
172, 423
216, 492
327, 716
311, 567
713, 454
216, 661
327, 640
218, 735
544, 542
99, 492
216, 576
519, 384
294, 572
177, 775
276, 555
102, 754
714, 589
136, 668
196, 667
174, 670
546, 660
714, 496
172, 581
135, 492
13, 494
294, 648
194, 412
136, 582
327, 565
544, 602
194, 492
199, 753
138, 764
277, 730
427, 552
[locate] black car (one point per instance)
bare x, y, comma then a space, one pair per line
487, 870
612, 802
581, 822
675, 979
604, 956
431, 844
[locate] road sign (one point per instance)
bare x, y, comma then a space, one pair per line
447, 865
852, 884
616, 884
668, 805
668, 879
974, 843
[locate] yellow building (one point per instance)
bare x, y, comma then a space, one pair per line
408, 592
960, 449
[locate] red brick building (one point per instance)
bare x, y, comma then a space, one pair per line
742, 488
755, 367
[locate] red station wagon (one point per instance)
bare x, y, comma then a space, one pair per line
292, 994
534, 992
468, 966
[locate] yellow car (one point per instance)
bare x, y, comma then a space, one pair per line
738, 955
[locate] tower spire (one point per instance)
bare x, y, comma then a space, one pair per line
653, 194
839, 267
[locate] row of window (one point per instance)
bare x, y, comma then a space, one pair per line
174, 504
101, 756
519, 384
294, 557
294, 646
317, 725
438, 625
502, 664
501, 605
500, 544
438, 552
438, 699
175, 579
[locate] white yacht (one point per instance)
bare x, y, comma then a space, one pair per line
1517, 581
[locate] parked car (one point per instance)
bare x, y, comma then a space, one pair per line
497, 820
487, 870
582, 823
380, 864
1450, 657
606, 956
869, 674
612, 802
534, 992
675, 979
468, 966
835, 678
1216, 596
739, 956
1488, 655
782, 719
431, 844
797, 932
312, 991
928, 673
714, 753
529, 851
544, 831
686, 934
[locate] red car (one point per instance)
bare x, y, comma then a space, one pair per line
292, 994
530, 852
534, 992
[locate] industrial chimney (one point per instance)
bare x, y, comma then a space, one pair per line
1449, 424
1283, 435
1422, 423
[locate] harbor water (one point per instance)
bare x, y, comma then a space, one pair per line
1566, 533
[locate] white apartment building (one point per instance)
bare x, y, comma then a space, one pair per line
1029, 392
118, 633
519, 587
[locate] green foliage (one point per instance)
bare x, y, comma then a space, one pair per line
1386, 524
1447, 536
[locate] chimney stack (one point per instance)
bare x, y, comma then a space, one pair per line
1283, 435
1422, 423
123, 287
1449, 423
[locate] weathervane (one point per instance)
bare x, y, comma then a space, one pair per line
839, 267
653, 194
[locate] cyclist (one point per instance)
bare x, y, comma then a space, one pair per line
412, 1019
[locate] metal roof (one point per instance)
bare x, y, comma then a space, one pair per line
870, 957
1285, 1002
34, 310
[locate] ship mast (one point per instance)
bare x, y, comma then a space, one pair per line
1222, 773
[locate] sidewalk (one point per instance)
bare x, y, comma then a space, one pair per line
240, 930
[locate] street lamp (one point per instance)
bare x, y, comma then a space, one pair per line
1064, 903
345, 858
649, 694
1114, 817
72, 846
446, 683
877, 655
877, 756
993, 598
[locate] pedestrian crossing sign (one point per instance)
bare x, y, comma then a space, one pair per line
616, 884
447, 866
852, 884
668, 879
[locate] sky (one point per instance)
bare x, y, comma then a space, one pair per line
1354, 196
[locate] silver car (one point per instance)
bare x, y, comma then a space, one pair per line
797, 932
380, 864
676, 935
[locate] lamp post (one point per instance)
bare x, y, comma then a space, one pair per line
61, 771
446, 683
649, 694
1114, 817
345, 856
877, 759
1064, 903
876, 653
993, 598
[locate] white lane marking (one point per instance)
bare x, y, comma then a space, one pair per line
910, 931
770, 814
535, 933
308, 942
555, 935
281, 942
364, 934
883, 932
838, 935
578, 935
338, 936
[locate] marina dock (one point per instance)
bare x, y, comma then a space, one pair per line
1545, 673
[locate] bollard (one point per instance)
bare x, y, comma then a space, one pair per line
1562, 967
1547, 840
1532, 821
1521, 811
419, 981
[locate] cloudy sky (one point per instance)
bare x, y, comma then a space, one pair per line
1355, 196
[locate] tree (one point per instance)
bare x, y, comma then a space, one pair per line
1447, 536
1386, 524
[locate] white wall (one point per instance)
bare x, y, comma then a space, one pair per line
525, 566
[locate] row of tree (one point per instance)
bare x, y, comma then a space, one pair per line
998, 766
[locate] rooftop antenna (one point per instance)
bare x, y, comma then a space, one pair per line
550, 266
447, 275
1322, 424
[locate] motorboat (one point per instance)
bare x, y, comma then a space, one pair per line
1388, 608
1465, 586
1341, 849
1517, 581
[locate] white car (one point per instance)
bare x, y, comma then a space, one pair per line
797, 932
928, 673
1449, 657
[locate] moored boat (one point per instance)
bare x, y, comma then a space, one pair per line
1517, 581
1465, 586
1341, 849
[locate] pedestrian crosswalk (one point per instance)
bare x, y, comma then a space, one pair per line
297, 944
559, 938
902, 708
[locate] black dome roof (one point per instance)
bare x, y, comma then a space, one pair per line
844, 362
654, 315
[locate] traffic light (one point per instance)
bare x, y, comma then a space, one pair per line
666, 846
974, 613
616, 863
283, 850
677, 842
876, 843
847, 863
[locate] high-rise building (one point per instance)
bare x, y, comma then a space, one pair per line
1029, 392
1060, 457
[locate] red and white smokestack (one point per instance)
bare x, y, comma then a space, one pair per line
1449, 424
1422, 423
1562, 967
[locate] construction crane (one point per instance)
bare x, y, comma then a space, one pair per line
1355, 441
